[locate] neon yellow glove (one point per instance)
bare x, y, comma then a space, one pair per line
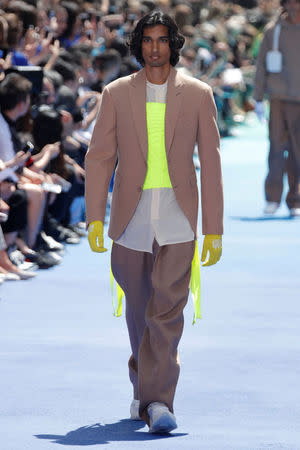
95, 236
213, 244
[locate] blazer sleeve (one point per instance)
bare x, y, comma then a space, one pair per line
100, 159
210, 162
261, 71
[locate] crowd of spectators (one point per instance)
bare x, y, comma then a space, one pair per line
55, 58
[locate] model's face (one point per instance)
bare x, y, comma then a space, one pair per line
155, 46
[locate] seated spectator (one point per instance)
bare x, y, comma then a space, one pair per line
59, 21
26, 13
14, 34
48, 128
69, 14
119, 45
128, 66
106, 66
67, 92
81, 54
51, 83
14, 103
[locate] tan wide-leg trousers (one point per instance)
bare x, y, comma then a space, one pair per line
156, 287
284, 133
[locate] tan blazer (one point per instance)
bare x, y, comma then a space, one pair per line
121, 132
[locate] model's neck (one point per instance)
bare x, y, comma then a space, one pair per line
157, 75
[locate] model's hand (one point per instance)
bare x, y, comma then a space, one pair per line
260, 111
95, 236
212, 244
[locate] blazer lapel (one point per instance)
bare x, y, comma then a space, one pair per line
174, 100
137, 95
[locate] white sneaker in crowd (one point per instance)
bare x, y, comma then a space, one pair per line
295, 212
52, 244
161, 419
25, 274
271, 207
134, 410
10, 276
26, 265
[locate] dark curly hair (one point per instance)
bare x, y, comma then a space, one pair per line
176, 40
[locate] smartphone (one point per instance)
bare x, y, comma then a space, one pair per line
28, 147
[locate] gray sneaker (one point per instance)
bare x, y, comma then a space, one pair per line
161, 419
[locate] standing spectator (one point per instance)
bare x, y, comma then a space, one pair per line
281, 82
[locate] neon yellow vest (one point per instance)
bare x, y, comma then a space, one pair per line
157, 174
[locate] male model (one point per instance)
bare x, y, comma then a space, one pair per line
151, 121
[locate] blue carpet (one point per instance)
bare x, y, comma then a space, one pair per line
63, 356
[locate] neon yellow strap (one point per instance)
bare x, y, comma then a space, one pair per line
120, 295
195, 288
196, 284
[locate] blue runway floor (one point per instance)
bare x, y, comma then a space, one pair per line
63, 356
